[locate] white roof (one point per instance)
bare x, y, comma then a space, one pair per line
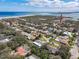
37, 43
4, 40
57, 39
32, 57
68, 33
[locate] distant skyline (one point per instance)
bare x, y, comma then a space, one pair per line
40, 5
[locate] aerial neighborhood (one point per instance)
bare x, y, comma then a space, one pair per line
39, 37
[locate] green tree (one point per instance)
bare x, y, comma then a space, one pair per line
64, 52
42, 53
13, 45
71, 40
1, 25
54, 56
16, 41
2, 46
8, 32
19, 39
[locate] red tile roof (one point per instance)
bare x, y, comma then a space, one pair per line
21, 51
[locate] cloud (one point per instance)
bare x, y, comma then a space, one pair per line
55, 4
41, 5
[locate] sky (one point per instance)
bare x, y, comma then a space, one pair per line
40, 5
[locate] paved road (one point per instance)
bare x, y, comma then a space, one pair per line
74, 51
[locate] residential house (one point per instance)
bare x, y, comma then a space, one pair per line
22, 51
32, 57
4, 39
39, 43
53, 47
63, 39
42, 41
68, 33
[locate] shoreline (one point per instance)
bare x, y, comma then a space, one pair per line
7, 17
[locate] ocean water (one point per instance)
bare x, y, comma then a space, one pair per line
74, 15
6, 14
